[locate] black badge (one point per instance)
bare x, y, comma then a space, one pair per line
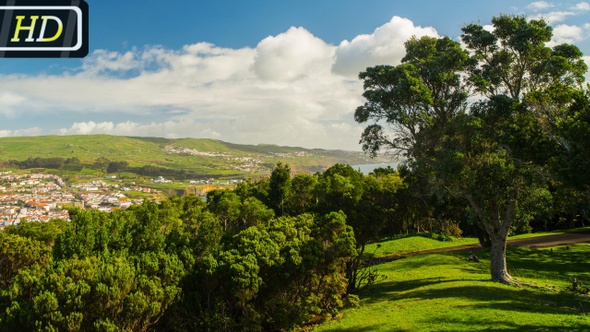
43, 29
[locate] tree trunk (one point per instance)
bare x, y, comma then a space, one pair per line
497, 228
498, 267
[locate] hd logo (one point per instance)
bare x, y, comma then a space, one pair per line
43, 29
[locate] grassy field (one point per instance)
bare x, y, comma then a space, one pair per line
228, 159
445, 292
411, 244
530, 235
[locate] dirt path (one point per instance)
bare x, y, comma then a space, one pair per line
535, 242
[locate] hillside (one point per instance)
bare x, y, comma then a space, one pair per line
202, 156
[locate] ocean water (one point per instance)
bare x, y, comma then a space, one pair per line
368, 168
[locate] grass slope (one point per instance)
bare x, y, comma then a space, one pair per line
412, 244
139, 151
445, 292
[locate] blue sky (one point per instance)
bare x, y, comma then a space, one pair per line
281, 72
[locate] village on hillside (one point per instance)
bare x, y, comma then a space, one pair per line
42, 197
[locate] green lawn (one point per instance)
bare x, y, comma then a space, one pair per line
445, 292
410, 244
530, 235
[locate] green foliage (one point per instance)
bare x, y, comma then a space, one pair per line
182, 264
574, 129
113, 272
17, 253
423, 92
117, 166
235, 213
57, 163
302, 198
368, 202
81, 294
271, 276
279, 188
44, 232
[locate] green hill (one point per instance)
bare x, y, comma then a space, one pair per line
202, 156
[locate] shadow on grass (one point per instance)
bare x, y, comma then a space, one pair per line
537, 263
499, 297
583, 230
488, 304
386, 290
463, 286
433, 259
550, 262
503, 325
383, 290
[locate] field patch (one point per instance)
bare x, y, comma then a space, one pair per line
445, 292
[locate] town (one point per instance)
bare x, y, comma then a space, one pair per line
42, 197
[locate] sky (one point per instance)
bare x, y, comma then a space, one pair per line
249, 72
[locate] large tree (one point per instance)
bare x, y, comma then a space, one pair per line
492, 151
527, 87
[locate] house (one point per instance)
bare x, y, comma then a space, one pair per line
38, 206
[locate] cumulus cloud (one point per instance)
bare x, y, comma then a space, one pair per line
540, 5
384, 46
291, 55
567, 34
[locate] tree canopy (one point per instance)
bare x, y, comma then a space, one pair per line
482, 122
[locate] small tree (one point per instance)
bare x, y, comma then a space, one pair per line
280, 187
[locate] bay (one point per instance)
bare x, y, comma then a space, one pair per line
368, 168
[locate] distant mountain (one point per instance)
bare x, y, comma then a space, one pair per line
200, 156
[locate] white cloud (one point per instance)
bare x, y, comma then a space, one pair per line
34, 131
169, 129
292, 55
91, 127
9, 102
488, 27
540, 5
553, 17
584, 6
384, 46
10, 99
566, 34
101, 61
